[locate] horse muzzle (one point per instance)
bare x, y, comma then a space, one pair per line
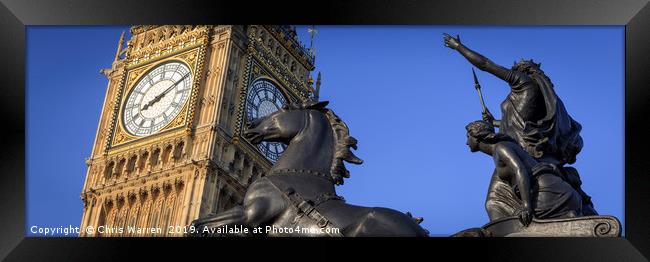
254, 136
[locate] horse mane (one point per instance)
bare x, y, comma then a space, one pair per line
342, 141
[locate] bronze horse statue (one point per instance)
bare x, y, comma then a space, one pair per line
298, 193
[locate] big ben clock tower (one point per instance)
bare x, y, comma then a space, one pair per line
169, 147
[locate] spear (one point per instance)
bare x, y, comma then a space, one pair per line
478, 89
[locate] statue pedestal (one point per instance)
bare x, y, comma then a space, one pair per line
587, 226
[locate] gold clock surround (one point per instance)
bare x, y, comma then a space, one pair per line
189, 50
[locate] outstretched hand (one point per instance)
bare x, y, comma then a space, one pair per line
451, 42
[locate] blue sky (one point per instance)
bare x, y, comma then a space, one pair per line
405, 97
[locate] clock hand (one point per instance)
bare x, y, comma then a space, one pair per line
174, 85
161, 95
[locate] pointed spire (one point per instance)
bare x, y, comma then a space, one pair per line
317, 92
312, 31
119, 47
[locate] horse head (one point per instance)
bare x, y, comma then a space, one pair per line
282, 125
323, 135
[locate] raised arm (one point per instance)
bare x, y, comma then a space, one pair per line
477, 59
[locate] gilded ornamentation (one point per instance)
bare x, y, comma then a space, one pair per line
141, 28
189, 57
188, 39
256, 72
135, 74
179, 120
119, 138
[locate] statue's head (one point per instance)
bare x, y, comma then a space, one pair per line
527, 66
482, 132
478, 131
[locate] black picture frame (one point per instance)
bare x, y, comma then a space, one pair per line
633, 14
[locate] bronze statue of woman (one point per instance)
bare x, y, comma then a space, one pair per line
538, 186
535, 117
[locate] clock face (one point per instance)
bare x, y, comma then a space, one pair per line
157, 98
263, 99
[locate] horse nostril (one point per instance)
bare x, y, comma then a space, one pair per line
254, 123
250, 124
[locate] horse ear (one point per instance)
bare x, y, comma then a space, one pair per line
318, 105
